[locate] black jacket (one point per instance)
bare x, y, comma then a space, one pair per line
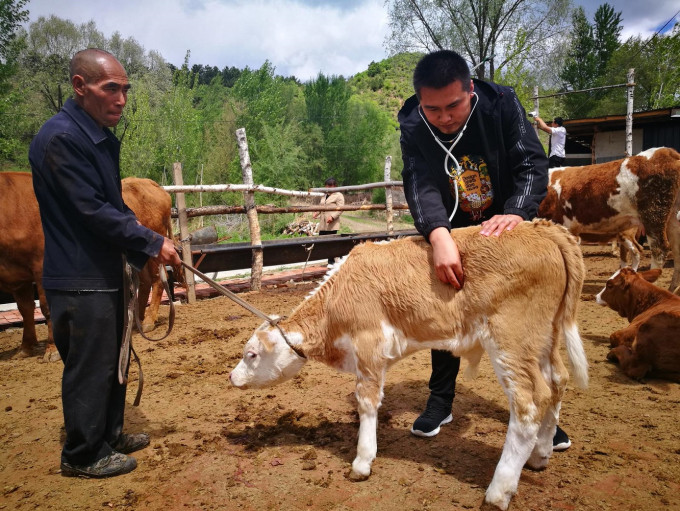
87, 226
517, 163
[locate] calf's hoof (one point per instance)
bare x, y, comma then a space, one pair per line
51, 355
487, 506
23, 353
356, 477
537, 463
148, 327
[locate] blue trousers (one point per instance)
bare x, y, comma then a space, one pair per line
88, 331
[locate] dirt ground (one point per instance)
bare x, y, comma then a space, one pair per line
290, 447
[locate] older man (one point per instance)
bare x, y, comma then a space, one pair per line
88, 229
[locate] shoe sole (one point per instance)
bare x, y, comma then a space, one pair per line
434, 432
74, 472
562, 446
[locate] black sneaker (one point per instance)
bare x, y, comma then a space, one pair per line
112, 465
561, 441
430, 420
131, 443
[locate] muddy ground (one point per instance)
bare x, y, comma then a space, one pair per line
290, 447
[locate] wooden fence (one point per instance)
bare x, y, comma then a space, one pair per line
251, 210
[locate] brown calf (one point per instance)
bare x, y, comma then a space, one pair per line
651, 343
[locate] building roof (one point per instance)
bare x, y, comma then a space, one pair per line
586, 127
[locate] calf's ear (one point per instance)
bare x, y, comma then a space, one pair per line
650, 275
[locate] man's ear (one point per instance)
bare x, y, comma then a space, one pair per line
79, 85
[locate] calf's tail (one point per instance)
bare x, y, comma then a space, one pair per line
566, 315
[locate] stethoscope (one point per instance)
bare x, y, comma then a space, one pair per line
454, 141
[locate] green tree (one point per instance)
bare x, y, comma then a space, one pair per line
607, 31
590, 51
656, 61
482, 31
12, 102
326, 99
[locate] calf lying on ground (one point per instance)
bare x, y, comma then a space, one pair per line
384, 302
651, 343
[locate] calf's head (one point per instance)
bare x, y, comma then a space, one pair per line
267, 359
617, 292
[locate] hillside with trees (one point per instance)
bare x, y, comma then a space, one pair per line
300, 133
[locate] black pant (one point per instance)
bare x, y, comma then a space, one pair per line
556, 161
331, 260
443, 379
88, 329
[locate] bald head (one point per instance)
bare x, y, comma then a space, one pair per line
100, 85
89, 64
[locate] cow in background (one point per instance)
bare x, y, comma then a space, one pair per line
22, 245
152, 206
650, 344
608, 198
21, 256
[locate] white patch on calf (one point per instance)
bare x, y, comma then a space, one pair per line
349, 361
396, 346
648, 153
623, 201
557, 186
332, 270
598, 297
262, 367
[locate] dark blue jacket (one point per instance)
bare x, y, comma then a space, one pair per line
517, 163
87, 226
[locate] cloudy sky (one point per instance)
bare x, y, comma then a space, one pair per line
299, 37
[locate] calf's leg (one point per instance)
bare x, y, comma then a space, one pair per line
525, 418
556, 375
369, 392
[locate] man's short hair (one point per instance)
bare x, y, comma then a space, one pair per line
439, 69
83, 63
558, 120
331, 182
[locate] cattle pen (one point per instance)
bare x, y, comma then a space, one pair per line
235, 256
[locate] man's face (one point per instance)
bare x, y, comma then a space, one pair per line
447, 108
105, 97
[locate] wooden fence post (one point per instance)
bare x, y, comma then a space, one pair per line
388, 196
251, 212
629, 112
180, 202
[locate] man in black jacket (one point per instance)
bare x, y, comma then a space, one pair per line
88, 228
470, 157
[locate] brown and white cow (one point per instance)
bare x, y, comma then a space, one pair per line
650, 344
608, 198
21, 248
384, 301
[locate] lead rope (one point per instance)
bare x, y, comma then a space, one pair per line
454, 141
130, 300
223, 290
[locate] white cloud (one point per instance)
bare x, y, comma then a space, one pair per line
297, 38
